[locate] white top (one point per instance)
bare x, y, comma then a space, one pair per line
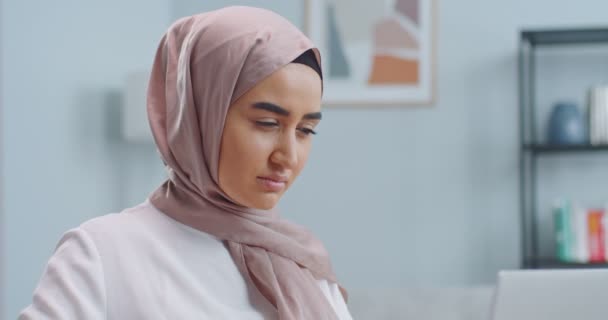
141, 264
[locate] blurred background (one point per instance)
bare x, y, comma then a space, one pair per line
413, 202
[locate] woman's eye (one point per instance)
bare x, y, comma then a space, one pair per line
307, 131
267, 123
273, 124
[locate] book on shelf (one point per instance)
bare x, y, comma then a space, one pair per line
581, 234
596, 235
563, 232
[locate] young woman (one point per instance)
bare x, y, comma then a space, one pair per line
233, 101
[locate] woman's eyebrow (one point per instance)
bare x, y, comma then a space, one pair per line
313, 116
268, 106
271, 107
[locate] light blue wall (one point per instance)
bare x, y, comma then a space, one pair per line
63, 62
401, 197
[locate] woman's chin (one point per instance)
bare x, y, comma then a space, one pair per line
265, 201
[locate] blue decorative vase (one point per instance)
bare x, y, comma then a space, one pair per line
567, 125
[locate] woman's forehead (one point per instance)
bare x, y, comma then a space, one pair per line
294, 86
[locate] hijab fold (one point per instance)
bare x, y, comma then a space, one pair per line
202, 65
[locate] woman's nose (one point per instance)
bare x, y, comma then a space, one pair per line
285, 153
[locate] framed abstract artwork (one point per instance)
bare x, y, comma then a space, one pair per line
375, 53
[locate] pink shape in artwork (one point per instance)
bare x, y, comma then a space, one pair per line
409, 8
389, 34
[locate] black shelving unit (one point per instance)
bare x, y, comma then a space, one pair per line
548, 263
548, 149
530, 146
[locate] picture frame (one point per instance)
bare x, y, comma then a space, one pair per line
375, 53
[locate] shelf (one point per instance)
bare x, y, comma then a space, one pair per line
556, 264
548, 148
531, 42
565, 36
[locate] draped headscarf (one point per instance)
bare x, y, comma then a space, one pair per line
203, 64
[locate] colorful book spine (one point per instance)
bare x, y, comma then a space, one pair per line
605, 229
581, 238
563, 230
596, 243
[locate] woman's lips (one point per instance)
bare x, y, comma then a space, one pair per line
272, 184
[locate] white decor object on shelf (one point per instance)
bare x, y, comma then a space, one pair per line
135, 125
598, 115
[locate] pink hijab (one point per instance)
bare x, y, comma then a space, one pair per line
203, 64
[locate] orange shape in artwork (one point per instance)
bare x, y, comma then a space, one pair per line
392, 70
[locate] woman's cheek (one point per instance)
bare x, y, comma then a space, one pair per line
260, 143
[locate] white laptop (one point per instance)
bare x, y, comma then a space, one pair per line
575, 294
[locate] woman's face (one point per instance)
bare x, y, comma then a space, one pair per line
267, 136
